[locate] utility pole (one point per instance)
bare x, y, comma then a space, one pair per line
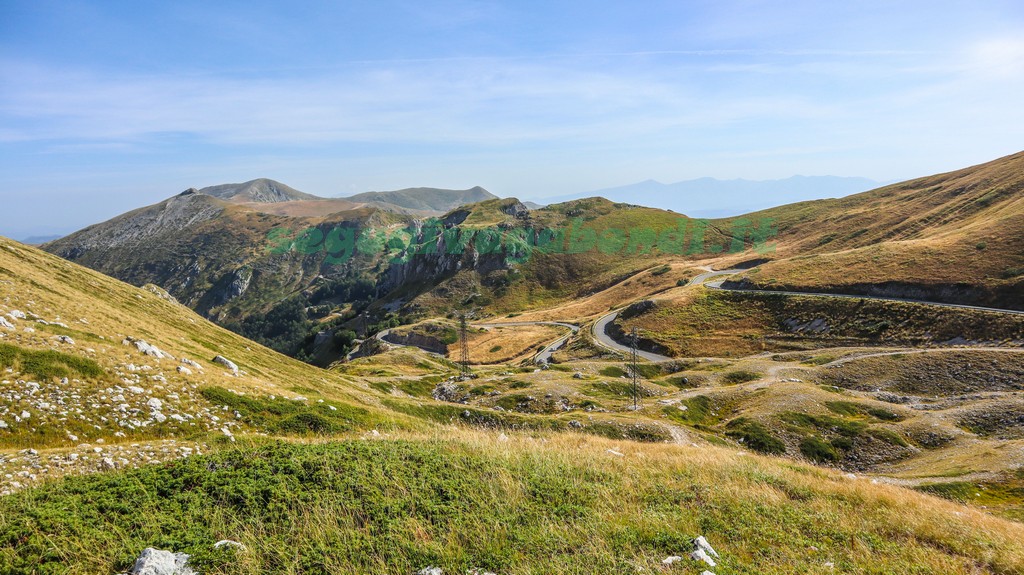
632, 348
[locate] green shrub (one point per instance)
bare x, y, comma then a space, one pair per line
818, 450
755, 436
48, 364
648, 370
740, 376
612, 371
289, 416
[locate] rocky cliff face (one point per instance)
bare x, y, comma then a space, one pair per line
136, 228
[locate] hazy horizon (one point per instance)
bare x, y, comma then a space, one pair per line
107, 107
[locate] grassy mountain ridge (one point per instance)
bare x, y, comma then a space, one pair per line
956, 237
261, 190
425, 199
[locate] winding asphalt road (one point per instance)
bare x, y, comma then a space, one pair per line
718, 285
602, 338
545, 354
600, 327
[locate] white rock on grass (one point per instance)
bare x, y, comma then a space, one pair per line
66, 339
184, 370
701, 555
191, 363
671, 559
147, 348
15, 314
6, 324
226, 363
702, 544
157, 562
228, 543
430, 571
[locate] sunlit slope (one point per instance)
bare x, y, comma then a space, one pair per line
89, 317
956, 237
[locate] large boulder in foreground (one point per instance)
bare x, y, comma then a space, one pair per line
157, 562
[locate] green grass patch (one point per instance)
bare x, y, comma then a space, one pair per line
755, 436
683, 382
612, 371
843, 427
635, 432
422, 387
852, 409
740, 376
292, 417
698, 411
818, 450
888, 436
48, 364
648, 370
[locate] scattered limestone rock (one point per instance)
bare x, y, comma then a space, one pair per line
191, 363
671, 559
701, 555
66, 339
15, 314
6, 324
157, 562
702, 544
430, 571
229, 543
226, 363
147, 348
184, 370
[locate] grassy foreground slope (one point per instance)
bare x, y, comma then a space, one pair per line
553, 504
70, 364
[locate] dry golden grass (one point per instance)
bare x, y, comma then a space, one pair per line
507, 344
638, 286
963, 227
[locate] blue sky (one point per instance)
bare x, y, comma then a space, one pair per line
107, 106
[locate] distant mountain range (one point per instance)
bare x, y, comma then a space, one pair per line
712, 198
